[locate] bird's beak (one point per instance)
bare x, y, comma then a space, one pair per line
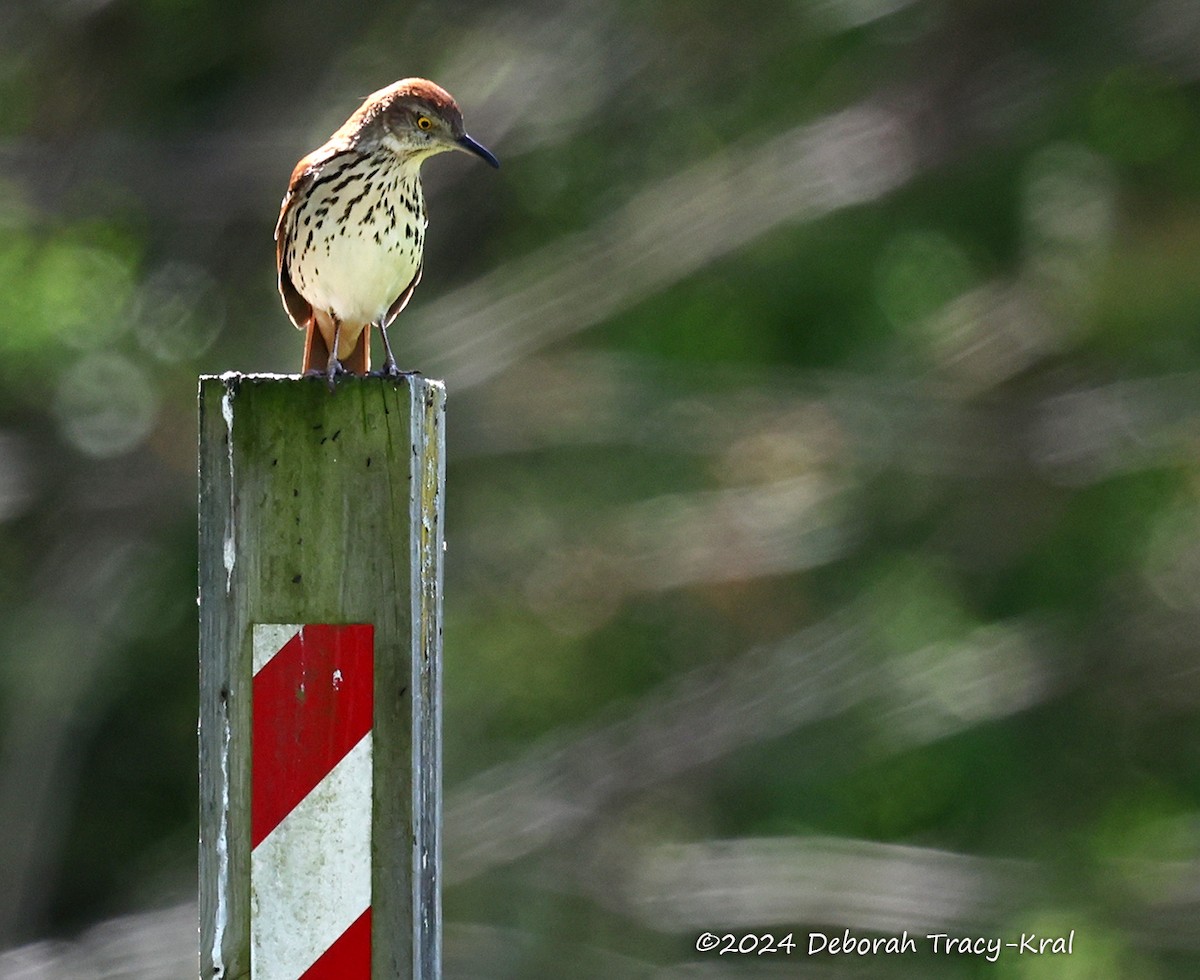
466, 143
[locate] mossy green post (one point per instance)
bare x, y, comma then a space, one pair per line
320, 507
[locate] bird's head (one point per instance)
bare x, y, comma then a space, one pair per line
416, 118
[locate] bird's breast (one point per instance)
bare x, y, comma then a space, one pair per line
357, 238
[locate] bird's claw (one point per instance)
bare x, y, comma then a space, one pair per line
332, 370
391, 371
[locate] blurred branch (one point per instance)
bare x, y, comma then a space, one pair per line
659, 237
553, 791
679, 540
785, 881
1086, 435
149, 946
1075, 436
834, 419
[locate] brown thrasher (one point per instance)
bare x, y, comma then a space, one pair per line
351, 229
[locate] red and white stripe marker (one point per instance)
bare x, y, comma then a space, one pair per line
312, 714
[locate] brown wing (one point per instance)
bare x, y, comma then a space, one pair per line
306, 173
401, 301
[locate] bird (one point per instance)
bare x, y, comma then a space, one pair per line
351, 232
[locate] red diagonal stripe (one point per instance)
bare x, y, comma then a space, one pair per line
347, 959
312, 704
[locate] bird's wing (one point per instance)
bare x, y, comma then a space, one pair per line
401, 301
313, 167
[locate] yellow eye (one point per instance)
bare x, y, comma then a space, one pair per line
424, 123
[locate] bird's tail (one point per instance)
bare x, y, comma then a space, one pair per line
358, 361
316, 350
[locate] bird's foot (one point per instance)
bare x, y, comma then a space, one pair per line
331, 372
390, 370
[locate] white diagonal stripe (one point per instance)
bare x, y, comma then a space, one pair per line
269, 640
310, 879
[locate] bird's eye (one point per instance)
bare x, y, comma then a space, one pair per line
424, 123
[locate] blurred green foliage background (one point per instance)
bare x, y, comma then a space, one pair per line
824, 508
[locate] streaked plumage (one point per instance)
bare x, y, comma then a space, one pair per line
351, 230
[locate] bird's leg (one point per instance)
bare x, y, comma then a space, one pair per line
389, 369
333, 366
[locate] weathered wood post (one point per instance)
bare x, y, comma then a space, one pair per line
320, 678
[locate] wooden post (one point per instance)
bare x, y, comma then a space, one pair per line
320, 576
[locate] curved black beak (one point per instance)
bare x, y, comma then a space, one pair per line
468, 144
